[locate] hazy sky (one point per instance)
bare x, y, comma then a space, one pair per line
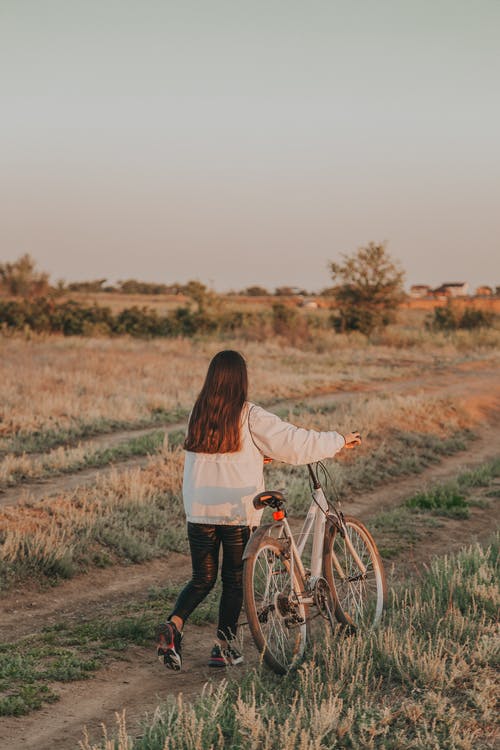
250, 142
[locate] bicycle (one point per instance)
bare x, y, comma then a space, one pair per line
345, 582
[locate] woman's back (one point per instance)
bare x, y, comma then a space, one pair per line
219, 487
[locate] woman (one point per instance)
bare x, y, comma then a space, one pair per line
226, 442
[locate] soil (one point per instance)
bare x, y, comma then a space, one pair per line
139, 684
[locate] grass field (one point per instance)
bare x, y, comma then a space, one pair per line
32, 667
54, 390
138, 514
423, 681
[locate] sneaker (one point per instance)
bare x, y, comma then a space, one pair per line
169, 645
223, 657
233, 655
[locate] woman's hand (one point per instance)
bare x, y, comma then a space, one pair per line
352, 439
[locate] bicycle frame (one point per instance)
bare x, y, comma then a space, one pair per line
315, 521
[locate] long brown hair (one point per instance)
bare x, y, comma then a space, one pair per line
214, 425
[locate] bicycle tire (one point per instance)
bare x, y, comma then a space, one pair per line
278, 623
359, 599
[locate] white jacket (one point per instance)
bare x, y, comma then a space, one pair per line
218, 488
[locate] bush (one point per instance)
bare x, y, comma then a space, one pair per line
473, 318
143, 323
450, 318
284, 318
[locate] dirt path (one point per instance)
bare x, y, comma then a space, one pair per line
471, 378
139, 684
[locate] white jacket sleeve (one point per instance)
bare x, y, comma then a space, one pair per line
285, 442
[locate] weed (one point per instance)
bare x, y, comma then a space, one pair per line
20, 701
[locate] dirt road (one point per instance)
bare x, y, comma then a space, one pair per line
140, 683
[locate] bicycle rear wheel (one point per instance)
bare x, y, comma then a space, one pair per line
276, 616
360, 592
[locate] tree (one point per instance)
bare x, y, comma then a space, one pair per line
95, 286
255, 291
368, 289
21, 279
204, 297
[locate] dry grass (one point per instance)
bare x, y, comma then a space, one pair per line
52, 383
401, 435
14, 469
49, 384
376, 414
123, 514
136, 514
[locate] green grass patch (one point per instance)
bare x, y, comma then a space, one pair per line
454, 499
444, 500
135, 446
483, 476
400, 528
31, 667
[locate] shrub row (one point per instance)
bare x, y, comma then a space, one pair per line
450, 318
73, 319
45, 315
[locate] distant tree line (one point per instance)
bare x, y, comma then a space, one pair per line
367, 290
21, 278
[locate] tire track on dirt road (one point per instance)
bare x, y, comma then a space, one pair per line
479, 382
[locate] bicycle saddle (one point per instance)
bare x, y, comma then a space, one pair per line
269, 498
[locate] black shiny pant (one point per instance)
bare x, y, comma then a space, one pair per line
205, 541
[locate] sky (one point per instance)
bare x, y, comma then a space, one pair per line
244, 143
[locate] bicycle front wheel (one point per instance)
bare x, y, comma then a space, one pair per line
275, 613
355, 572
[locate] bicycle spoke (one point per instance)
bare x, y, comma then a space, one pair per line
276, 608
360, 590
